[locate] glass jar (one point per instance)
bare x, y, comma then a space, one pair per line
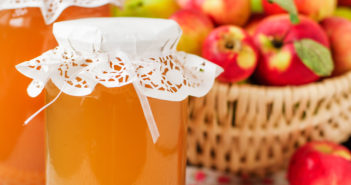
103, 139
117, 101
24, 35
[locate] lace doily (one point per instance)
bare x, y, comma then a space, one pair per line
115, 52
52, 9
172, 77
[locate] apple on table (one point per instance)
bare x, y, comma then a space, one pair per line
282, 60
196, 26
232, 48
235, 12
320, 163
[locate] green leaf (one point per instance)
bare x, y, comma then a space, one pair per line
290, 7
315, 56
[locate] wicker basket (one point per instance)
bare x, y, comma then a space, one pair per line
254, 129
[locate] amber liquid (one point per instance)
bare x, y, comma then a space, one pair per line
103, 139
23, 36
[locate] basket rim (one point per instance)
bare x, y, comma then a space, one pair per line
322, 83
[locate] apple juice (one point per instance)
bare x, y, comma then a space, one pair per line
103, 139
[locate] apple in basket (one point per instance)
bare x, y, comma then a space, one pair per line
270, 8
320, 163
233, 49
315, 9
345, 2
291, 54
196, 26
339, 32
251, 26
235, 12
344, 12
147, 8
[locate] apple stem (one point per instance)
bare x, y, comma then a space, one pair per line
287, 32
279, 42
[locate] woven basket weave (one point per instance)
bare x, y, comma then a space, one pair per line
255, 129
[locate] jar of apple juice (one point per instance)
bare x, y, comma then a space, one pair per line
24, 34
116, 101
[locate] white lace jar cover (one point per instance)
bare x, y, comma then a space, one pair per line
52, 9
118, 51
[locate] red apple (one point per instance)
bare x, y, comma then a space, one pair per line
271, 8
339, 32
189, 4
320, 163
235, 12
231, 48
196, 26
280, 64
315, 9
251, 26
345, 2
